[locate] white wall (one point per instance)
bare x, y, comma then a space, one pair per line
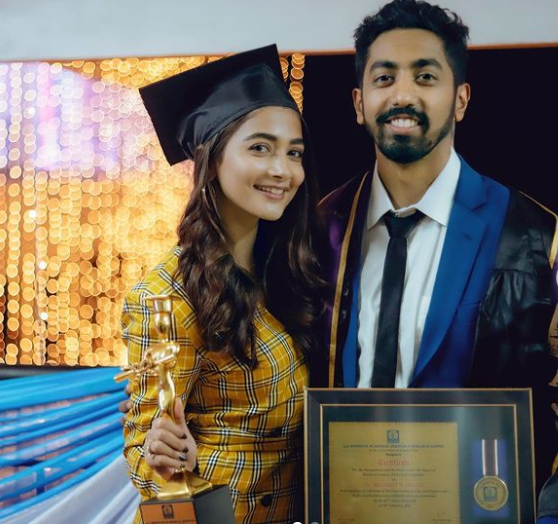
63, 29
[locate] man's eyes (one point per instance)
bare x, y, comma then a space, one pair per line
389, 79
383, 79
426, 77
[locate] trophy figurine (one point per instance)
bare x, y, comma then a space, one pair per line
185, 498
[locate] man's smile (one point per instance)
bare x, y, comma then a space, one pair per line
403, 123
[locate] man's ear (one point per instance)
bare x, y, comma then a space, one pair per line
357, 104
462, 101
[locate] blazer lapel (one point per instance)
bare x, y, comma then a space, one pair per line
463, 239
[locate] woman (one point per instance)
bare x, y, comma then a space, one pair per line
249, 290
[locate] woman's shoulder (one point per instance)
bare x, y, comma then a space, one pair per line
163, 279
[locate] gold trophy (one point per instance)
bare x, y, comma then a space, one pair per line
185, 498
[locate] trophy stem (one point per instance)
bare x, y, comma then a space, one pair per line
182, 483
167, 392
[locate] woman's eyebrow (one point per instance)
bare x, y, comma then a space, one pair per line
272, 138
265, 136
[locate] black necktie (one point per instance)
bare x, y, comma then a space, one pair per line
393, 279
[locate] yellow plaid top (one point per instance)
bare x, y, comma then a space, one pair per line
247, 422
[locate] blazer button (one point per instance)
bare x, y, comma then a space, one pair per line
275, 432
266, 500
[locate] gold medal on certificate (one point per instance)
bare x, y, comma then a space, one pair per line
491, 492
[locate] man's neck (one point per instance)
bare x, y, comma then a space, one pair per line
407, 183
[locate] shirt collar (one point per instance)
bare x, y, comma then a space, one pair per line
436, 203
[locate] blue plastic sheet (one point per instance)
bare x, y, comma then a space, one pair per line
56, 446
28, 454
66, 386
41, 497
12, 425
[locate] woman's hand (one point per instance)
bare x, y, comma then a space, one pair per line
125, 405
169, 446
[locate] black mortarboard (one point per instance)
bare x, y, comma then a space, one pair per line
189, 108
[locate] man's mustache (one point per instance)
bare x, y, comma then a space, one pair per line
419, 116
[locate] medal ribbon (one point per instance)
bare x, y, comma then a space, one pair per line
490, 457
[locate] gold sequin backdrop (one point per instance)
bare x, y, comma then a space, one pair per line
87, 203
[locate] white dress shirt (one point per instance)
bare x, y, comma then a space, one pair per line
424, 248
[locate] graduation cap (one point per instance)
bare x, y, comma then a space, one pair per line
190, 108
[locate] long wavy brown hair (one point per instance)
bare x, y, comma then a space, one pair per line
288, 281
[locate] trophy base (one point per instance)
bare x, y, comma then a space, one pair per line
207, 508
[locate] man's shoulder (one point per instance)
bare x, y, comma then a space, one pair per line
341, 198
529, 217
537, 214
522, 208
529, 228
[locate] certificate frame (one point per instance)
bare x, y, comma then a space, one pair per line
342, 427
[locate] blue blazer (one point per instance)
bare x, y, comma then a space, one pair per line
466, 265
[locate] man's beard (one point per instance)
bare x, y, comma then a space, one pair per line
406, 149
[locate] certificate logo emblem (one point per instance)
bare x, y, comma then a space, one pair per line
393, 436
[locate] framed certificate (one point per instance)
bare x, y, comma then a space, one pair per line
382, 456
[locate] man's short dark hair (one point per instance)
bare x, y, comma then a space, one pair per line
415, 14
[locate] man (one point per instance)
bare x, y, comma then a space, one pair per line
477, 297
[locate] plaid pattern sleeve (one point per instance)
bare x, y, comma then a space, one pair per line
138, 330
247, 422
